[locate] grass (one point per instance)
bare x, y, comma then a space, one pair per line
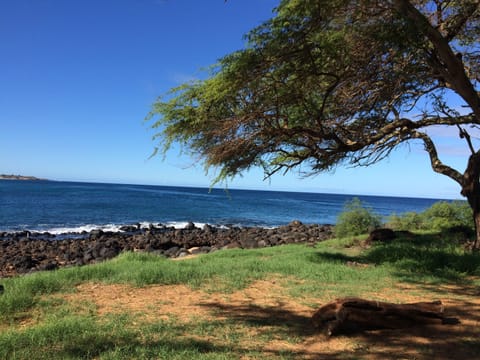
36, 322
223, 271
431, 257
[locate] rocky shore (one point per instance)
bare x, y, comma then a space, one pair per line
19, 177
25, 252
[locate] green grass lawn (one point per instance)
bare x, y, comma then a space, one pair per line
38, 322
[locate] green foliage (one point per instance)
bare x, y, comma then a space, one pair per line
321, 84
407, 221
356, 219
60, 329
441, 216
444, 215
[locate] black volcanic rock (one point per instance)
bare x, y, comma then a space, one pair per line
24, 252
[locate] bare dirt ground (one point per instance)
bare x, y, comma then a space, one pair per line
266, 307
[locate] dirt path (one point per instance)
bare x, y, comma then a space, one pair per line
266, 305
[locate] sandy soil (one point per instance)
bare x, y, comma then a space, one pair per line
265, 303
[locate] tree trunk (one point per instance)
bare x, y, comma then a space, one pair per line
471, 190
473, 198
354, 314
476, 219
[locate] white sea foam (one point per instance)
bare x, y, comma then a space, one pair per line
115, 227
83, 228
86, 228
183, 224
175, 224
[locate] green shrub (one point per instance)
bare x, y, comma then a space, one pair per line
441, 216
356, 219
407, 221
444, 215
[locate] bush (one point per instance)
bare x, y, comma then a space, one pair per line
356, 219
441, 216
444, 215
406, 222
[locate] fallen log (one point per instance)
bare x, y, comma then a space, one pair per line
354, 314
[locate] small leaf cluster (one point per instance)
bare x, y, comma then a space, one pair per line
357, 218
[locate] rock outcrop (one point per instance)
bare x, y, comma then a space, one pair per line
24, 252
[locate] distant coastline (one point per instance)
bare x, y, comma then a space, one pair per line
18, 177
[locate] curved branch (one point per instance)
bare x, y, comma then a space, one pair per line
437, 165
404, 126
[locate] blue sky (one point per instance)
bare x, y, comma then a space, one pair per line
77, 79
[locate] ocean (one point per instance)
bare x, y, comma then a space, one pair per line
62, 207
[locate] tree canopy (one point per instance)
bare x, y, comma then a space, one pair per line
332, 82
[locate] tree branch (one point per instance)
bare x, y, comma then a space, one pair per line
454, 66
404, 125
465, 135
437, 165
460, 21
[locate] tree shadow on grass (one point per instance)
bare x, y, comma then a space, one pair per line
133, 347
439, 341
426, 255
128, 345
338, 258
437, 265
281, 321
276, 323
417, 257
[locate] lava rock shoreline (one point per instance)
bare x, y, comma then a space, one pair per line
25, 252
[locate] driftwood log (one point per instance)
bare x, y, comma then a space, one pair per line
349, 315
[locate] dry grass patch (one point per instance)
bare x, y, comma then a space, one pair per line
275, 324
180, 301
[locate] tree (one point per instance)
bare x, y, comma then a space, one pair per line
332, 82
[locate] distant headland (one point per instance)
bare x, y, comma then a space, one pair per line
18, 177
